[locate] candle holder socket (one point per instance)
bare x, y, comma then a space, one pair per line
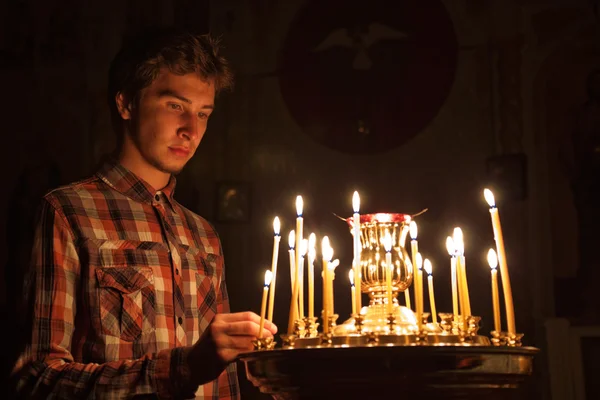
514, 339
299, 328
331, 321
310, 327
288, 340
425, 318
446, 323
267, 343
473, 325
497, 338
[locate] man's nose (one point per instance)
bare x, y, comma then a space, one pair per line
190, 127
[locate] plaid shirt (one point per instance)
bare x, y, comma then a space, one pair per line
125, 281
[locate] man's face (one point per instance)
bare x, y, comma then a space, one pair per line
170, 120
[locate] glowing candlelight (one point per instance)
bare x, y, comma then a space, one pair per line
429, 270
302, 251
357, 249
312, 255
493, 262
452, 253
263, 307
332, 266
352, 291
508, 299
407, 291
389, 269
414, 247
277, 239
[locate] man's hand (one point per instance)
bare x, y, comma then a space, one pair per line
227, 336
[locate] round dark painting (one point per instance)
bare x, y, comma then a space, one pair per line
366, 78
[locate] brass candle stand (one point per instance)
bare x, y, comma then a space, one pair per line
376, 354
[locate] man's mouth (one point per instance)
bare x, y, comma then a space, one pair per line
180, 151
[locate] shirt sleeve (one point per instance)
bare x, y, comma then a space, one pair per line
47, 368
228, 380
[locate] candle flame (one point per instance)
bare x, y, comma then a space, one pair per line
355, 202
387, 242
268, 277
427, 266
276, 226
299, 205
303, 247
489, 197
292, 239
413, 230
326, 249
419, 258
459, 244
492, 259
450, 245
351, 277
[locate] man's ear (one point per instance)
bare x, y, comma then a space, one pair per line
123, 106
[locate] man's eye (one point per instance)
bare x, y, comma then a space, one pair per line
175, 106
202, 115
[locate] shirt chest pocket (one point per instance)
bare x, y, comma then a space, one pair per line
126, 301
202, 270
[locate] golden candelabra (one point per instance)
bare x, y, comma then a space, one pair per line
443, 359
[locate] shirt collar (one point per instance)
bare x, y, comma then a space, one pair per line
127, 183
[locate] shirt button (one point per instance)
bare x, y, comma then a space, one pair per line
180, 320
157, 197
176, 271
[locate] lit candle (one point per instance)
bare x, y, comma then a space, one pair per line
263, 307
352, 291
357, 249
419, 274
429, 270
326, 257
292, 243
299, 226
277, 239
312, 254
506, 289
302, 251
493, 262
389, 269
452, 253
459, 245
414, 247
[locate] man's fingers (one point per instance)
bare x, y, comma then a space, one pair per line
246, 318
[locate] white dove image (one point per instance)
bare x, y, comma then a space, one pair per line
361, 42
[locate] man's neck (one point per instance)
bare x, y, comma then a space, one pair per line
136, 164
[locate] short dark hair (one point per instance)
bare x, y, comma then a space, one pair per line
141, 58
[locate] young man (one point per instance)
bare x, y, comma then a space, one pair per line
128, 287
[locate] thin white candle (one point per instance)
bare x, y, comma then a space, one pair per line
501, 253
292, 243
429, 269
389, 269
419, 273
276, 240
303, 249
312, 254
416, 277
326, 257
493, 263
299, 227
357, 249
263, 307
352, 291
452, 253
